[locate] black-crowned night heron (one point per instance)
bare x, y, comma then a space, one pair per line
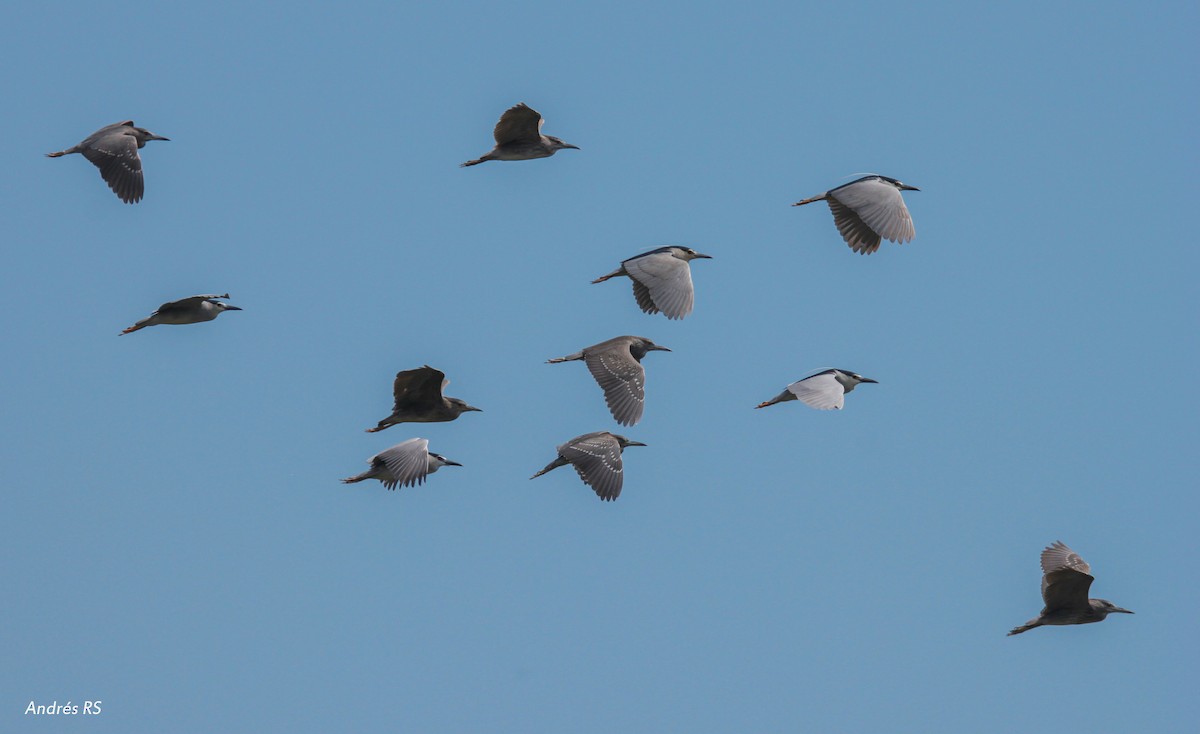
419, 399
868, 210
617, 366
662, 280
405, 464
519, 138
191, 310
1065, 588
114, 150
823, 391
597, 459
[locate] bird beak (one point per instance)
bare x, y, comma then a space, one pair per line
157, 137
868, 379
568, 145
657, 348
233, 308
450, 462
706, 257
906, 187
635, 443
472, 407
1119, 609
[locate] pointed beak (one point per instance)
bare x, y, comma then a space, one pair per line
157, 137
573, 147
906, 187
233, 308
705, 257
635, 443
450, 462
1122, 611
868, 379
472, 407
657, 348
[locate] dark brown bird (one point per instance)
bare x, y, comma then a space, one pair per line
419, 399
114, 150
519, 138
1065, 588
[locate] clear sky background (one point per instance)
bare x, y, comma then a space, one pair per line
177, 543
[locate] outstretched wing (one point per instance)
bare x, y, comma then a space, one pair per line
866, 211
821, 391
116, 155
667, 280
419, 389
1067, 578
408, 463
597, 459
623, 381
521, 122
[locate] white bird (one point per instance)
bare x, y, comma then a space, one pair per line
869, 210
662, 279
190, 310
823, 391
405, 464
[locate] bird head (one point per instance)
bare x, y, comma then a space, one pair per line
641, 346
143, 134
1106, 606
559, 144
443, 461
225, 306
899, 184
857, 378
687, 253
462, 406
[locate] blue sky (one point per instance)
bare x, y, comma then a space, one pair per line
178, 544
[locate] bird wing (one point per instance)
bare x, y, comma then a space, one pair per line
597, 459
669, 281
879, 206
191, 303
623, 381
1067, 578
116, 155
418, 389
821, 391
408, 462
521, 122
861, 238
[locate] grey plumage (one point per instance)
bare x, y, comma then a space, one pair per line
597, 459
1065, 584
406, 464
519, 138
114, 150
823, 391
190, 310
418, 399
869, 210
617, 366
662, 279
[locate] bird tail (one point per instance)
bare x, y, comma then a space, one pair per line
1024, 628
560, 461
809, 200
